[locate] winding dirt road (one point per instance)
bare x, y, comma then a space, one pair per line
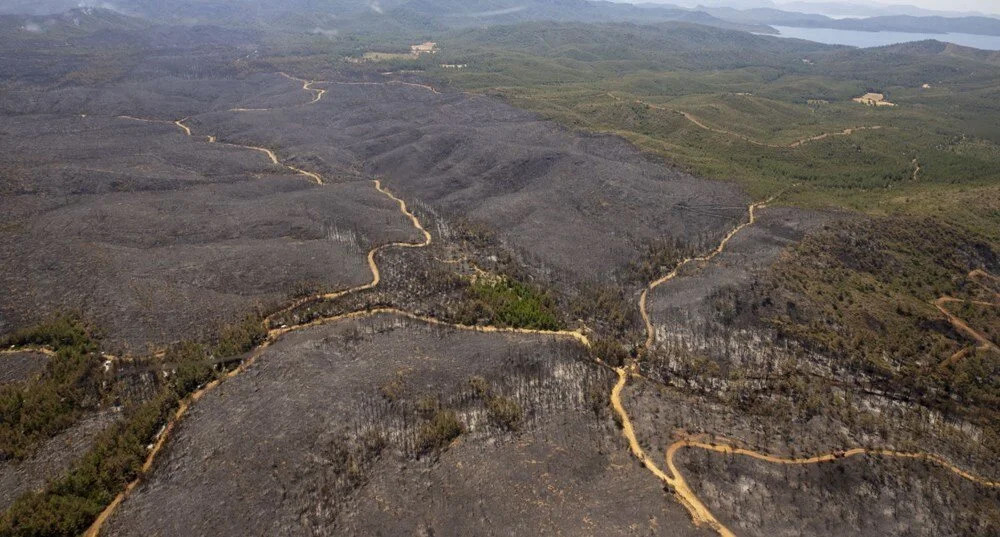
275, 334
700, 514
644, 297
702, 125
47, 351
372, 265
317, 93
984, 342
827, 457
307, 86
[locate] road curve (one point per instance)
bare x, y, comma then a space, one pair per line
372, 265
984, 342
644, 297
827, 457
702, 125
700, 513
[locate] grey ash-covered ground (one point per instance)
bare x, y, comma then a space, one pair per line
341, 453
580, 206
854, 496
20, 366
158, 237
51, 459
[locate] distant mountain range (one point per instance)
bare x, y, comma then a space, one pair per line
887, 23
444, 14
430, 14
871, 9
832, 8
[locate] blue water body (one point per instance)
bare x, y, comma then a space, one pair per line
855, 38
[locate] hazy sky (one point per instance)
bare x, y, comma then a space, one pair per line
986, 6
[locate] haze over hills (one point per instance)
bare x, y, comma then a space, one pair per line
884, 23
410, 13
832, 9
845, 16
448, 13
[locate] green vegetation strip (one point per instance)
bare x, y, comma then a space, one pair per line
68, 505
513, 304
31, 412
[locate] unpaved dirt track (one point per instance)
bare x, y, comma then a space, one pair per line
317, 93
798, 143
644, 297
213, 140
827, 457
95, 528
985, 344
846, 132
699, 512
376, 275
274, 334
30, 348
315, 177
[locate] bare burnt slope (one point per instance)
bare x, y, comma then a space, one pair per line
694, 298
580, 205
158, 236
853, 496
340, 453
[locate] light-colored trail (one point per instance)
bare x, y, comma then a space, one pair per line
180, 124
816, 459
702, 125
317, 93
307, 86
213, 140
372, 265
314, 177
700, 514
985, 344
39, 349
644, 297
394, 83
846, 132
980, 273
275, 334
798, 143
